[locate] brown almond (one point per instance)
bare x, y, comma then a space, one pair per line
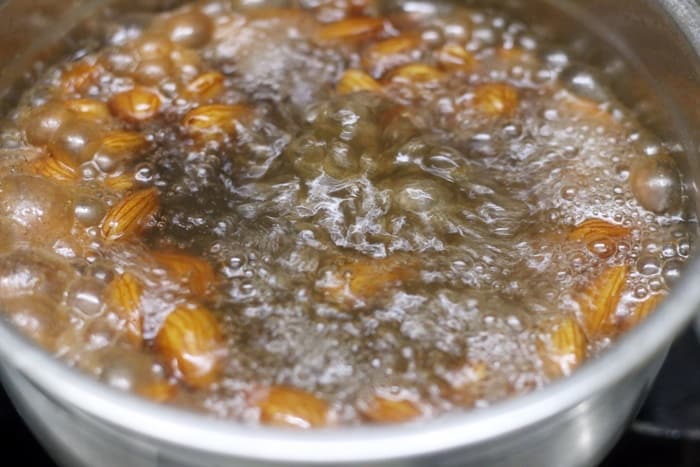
496, 99
356, 81
55, 169
195, 273
381, 409
599, 301
123, 296
599, 236
130, 216
351, 29
214, 121
642, 310
121, 182
206, 86
565, 348
291, 407
452, 57
362, 282
416, 73
91, 109
79, 76
383, 55
124, 142
136, 105
466, 383
191, 341
159, 391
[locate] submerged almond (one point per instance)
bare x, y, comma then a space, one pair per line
356, 81
380, 409
206, 86
55, 169
496, 99
136, 105
351, 29
416, 73
194, 272
90, 108
123, 296
214, 121
130, 215
599, 236
361, 282
565, 347
79, 76
291, 407
453, 57
599, 301
192, 342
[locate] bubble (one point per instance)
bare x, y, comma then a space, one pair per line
671, 272
648, 265
656, 184
641, 292
584, 82
83, 297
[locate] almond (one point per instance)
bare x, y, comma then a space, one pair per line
361, 282
564, 349
351, 29
53, 168
123, 296
195, 273
383, 55
126, 143
136, 105
599, 301
122, 182
130, 215
389, 410
291, 407
496, 99
214, 121
79, 76
453, 57
191, 341
90, 108
357, 80
599, 236
642, 310
206, 86
416, 73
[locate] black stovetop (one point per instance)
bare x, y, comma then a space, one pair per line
665, 434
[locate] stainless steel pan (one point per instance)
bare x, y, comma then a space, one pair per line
570, 423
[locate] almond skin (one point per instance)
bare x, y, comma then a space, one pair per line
496, 99
90, 108
136, 105
356, 81
388, 410
599, 301
191, 341
291, 407
214, 122
206, 86
642, 311
361, 282
131, 215
416, 73
453, 57
564, 349
351, 29
194, 272
599, 236
50, 167
123, 295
